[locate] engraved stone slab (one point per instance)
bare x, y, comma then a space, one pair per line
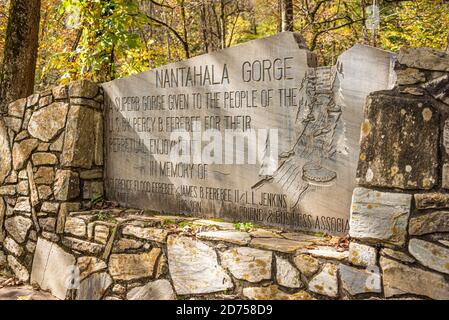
252, 133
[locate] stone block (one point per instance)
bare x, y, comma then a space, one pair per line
306, 264
17, 108
92, 189
94, 287
274, 293
47, 122
424, 58
430, 255
67, 185
362, 255
19, 270
236, 237
83, 89
326, 281
156, 290
357, 281
21, 152
133, 266
286, 274
431, 201
18, 227
44, 158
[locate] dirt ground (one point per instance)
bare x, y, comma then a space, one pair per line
11, 290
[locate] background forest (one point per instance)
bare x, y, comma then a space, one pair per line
106, 39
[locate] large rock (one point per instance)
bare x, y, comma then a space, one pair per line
53, 268
325, 282
23, 205
429, 223
157, 290
47, 122
362, 255
75, 226
79, 140
13, 247
274, 293
18, 227
424, 58
44, 158
248, 264
21, 152
19, 270
5, 151
17, 108
327, 252
82, 245
133, 266
357, 281
431, 201
287, 275
94, 287
306, 264
401, 279
236, 237
439, 88
379, 216
194, 267
146, 233
83, 89
89, 265
67, 185
275, 244
430, 255
390, 156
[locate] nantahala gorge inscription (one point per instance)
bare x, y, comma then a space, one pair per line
252, 133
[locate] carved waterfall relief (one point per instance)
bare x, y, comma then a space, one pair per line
263, 135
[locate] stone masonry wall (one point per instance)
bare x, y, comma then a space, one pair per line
51, 149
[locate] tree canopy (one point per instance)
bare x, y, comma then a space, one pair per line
106, 39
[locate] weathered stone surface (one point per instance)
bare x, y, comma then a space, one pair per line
432, 200
287, 275
58, 144
325, 282
439, 88
157, 290
194, 267
75, 226
430, 255
50, 207
362, 255
83, 89
18, 227
357, 281
21, 136
19, 270
236, 237
3, 261
30, 246
82, 245
275, 244
89, 265
52, 268
47, 122
60, 92
23, 188
44, 158
44, 192
23, 205
64, 209
17, 108
401, 279
379, 216
248, 264
220, 224
92, 189
33, 100
429, 223
21, 152
13, 247
48, 224
8, 190
424, 58
306, 264
94, 287
146, 233
390, 155
273, 293
101, 233
45, 100
124, 244
99, 138
328, 253
12, 123
79, 140
409, 76
398, 255
91, 174
67, 185
5, 151
263, 233
133, 266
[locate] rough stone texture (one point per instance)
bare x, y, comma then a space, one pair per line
44, 175
21, 152
124, 244
99, 138
91, 174
89, 265
101, 233
439, 88
275, 244
133, 266
83, 89
44, 158
236, 237
157, 290
287, 275
325, 282
424, 58
22, 205
429, 223
60, 92
67, 185
79, 144
13, 123
17, 108
398, 255
430, 255
401, 279
5, 151
274, 293
379, 216
82, 245
48, 224
19, 270
328, 253
390, 155
13, 247
92, 189
248, 264
306, 264
50, 207
94, 287
47, 122
357, 281
409, 76
75, 226
362, 255
146, 233
18, 227
431, 201
194, 267
52, 268
64, 209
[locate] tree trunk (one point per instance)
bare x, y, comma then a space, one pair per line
287, 15
20, 55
